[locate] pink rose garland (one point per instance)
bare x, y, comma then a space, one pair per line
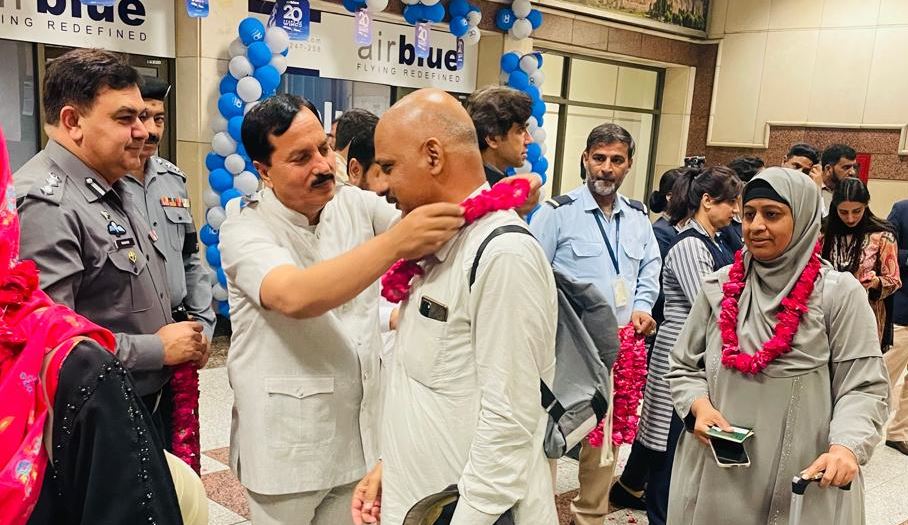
629, 379
794, 306
185, 417
396, 283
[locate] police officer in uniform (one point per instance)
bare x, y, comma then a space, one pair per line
159, 191
94, 251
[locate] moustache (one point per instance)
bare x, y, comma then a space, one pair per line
322, 178
152, 139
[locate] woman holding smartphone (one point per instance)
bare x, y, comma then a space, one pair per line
701, 205
781, 343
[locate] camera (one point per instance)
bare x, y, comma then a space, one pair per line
695, 161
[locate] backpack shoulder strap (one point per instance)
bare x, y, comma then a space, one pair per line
507, 228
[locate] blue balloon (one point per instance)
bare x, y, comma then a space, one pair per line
229, 195
538, 58
230, 105
223, 308
518, 80
250, 167
540, 119
413, 14
535, 208
228, 84
241, 151
268, 77
504, 18
535, 18
208, 235
510, 62
541, 166
458, 26
458, 8
285, 52
234, 127
213, 255
533, 152
510, 172
259, 54
220, 180
538, 110
251, 30
222, 277
533, 92
354, 5
434, 13
214, 161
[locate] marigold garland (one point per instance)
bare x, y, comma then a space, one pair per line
629, 379
397, 281
185, 434
794, 306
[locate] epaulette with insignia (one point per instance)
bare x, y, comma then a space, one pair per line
637, 205
560, 200
49, 189
171, 167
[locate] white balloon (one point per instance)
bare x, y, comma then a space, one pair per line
249, 89
538, 135
532, 124
236, 48
216, 217
246, 183
279, 62
474, 17
503, 78
218, 122
211, 198
249, 106
521, 8
240, 67
409, 2
234, 163
376, 5
277, 39
471, 37
429, 2
526, 168
521, 29
218, 292
542, 149
223, 144
537, 78
528, 64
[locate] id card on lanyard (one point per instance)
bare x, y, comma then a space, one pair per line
619, 286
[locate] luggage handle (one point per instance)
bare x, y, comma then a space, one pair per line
799, 484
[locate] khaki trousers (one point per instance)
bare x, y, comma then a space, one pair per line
590, 505
320, 507
897, 364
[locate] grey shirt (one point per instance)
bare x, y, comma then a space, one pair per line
163, 201
96, 255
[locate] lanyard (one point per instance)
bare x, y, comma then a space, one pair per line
611, 252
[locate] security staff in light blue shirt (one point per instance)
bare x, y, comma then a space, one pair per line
594, 234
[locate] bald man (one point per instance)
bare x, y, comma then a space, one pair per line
463, 403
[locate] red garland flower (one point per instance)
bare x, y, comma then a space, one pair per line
793, 309
629, 379
396, 283
185, 417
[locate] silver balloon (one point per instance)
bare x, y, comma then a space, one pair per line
277, 39
526, 168
234, 164
503, 78
223, 144
521, 8
376, 5
528, 64
240, 67
279, 62
539, 135
211, 198
249, 89
218, 122
474, 18
537, 78
236, 48
472, 36
521, 29
246, 183
543, 149
250, 105
216, 217
532, 125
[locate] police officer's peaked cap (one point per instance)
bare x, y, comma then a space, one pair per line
154, 88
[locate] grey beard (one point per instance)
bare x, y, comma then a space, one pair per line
604, 189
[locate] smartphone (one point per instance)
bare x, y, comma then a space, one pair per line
728, 453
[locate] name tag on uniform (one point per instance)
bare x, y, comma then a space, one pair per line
621, 293
433, 309
125, 243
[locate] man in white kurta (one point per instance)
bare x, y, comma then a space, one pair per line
463, 404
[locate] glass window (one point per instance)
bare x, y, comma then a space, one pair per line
580, 121
18, 110
640, 126
333, 96
594, 82
553, 69
636, 88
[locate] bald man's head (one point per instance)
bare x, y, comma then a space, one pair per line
427, 150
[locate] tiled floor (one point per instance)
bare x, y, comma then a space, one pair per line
886, 477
